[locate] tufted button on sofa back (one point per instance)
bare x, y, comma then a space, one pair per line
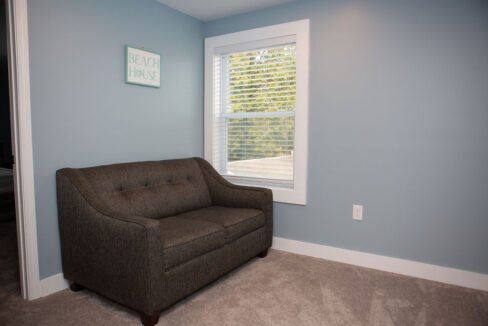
150, 189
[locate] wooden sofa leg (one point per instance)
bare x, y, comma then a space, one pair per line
75, 287
150, 320
263, 253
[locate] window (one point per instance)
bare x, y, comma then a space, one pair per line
256, 103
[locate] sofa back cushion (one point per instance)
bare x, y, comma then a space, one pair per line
150, 189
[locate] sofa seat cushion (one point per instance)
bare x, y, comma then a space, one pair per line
236, 221
185, 239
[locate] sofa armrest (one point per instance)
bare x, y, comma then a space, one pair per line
224, 193
102, 249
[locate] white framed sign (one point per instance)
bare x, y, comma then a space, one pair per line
142, 67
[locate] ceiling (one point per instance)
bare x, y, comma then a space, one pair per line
207, 10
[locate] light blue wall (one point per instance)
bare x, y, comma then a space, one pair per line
82, 111
398, 115
398, 122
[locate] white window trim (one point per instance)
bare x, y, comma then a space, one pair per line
300, 31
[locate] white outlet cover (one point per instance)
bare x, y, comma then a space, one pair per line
357, 212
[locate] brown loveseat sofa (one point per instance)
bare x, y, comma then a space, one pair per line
148, 234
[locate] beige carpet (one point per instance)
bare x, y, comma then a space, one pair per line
282, 289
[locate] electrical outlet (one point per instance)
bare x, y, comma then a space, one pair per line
357, 212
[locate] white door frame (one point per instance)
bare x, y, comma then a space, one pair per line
23, 169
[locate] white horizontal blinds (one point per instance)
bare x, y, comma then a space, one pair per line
255, 115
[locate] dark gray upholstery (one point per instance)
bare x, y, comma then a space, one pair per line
150, 189
236, 221
184, 239
148, 234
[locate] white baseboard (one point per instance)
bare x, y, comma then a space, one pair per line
53, 284
436, 273
389, 264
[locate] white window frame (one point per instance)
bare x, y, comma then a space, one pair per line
262, 37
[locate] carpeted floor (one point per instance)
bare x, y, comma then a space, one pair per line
282, 289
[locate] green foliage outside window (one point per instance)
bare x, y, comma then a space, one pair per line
261, 81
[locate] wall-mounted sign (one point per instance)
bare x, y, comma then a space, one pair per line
142, 67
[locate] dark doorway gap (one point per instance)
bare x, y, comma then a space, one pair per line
9, 266
5, 136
